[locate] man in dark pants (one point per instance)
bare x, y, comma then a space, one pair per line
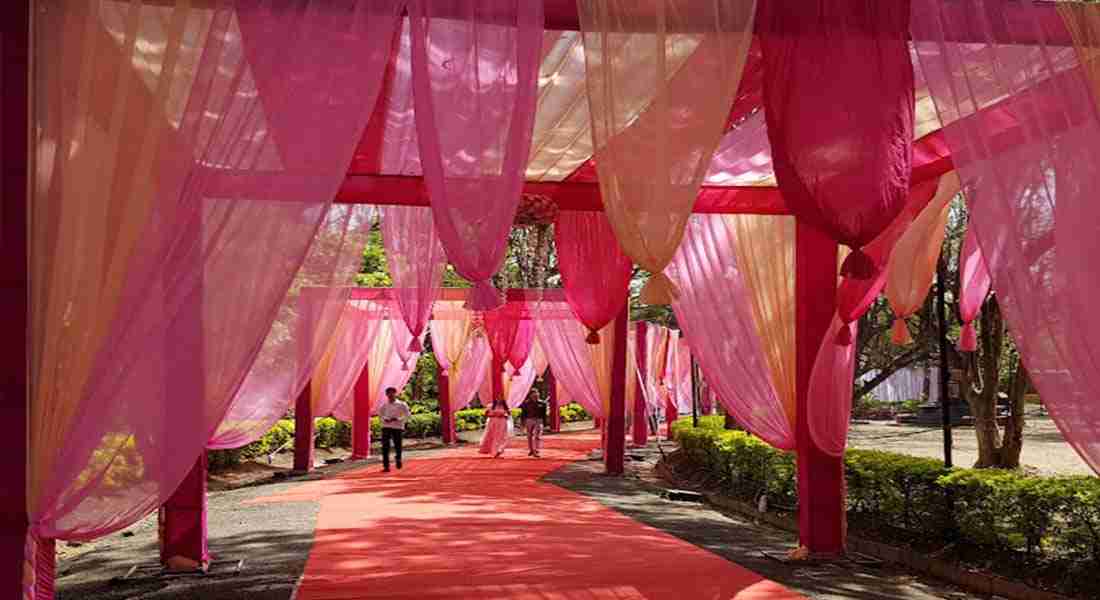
533, 413
393, 414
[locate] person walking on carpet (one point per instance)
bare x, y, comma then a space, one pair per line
393, 414
498, 429
533, 414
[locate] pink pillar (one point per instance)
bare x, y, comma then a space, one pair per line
183, 522
14, 285
360, 424
820, 476
555, 407
446, 415
641, 427
303, 431
615, 456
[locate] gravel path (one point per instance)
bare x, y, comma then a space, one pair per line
1045, 450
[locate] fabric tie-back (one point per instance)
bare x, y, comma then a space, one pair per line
912, 264
416, 261
335, 376
301, 331
165, 231
594, 271
572, 360
474, 73
1031, 193
716, 308
657, 115
842, 155
974, 285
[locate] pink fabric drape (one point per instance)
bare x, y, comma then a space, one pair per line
1032, 192
472, 374
474, 82
842, 155
387, 368
335, 377
502, 329
831, 381
416, 260
563, 341
974, 285
656, 336
404, 344
214, 179
912, 264
522, 345
594, 270
302, 330
715, 308
679, 374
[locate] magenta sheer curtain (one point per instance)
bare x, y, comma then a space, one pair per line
522, 345
594, 270
974, 286
472, 373
563, 341
1032, 192
856, 187
345, 359
302, 330
715, 309
416, 261
225, 231
501, 330
831, 381
474, 76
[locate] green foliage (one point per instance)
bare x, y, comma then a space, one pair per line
573, 412
1052, 519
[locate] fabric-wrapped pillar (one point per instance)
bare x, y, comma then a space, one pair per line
446, 415
615, 455
183, 522
641, 426
14, 285
820, 476
360, 424
671, 414
303, 431
555, 407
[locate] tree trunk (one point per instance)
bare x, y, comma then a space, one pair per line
979, 386
1013, 442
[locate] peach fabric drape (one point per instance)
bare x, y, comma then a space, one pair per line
652, 157
451, 339
912, 263
765, 250
347, 353
1083, 23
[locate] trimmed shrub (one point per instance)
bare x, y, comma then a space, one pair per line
573, 412
1052, 520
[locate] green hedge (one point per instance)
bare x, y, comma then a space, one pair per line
331, 433
1041, 519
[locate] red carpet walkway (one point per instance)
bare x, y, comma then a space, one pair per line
468, 526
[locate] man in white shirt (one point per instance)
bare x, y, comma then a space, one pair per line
393, 413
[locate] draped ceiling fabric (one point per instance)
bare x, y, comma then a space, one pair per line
152, 294
474, 76
716, 307
335, 376
522, 345
655, 126
472, 372
302, 329
1032, 196
912, 264
594, 271
403, 342
974, 285
842, 156
416, 261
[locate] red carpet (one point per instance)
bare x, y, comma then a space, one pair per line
468, 526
